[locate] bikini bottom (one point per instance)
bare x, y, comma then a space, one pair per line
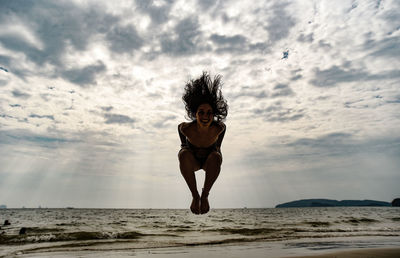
201, 154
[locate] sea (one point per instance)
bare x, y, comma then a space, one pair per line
47, 230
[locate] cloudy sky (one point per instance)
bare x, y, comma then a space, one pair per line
90, 100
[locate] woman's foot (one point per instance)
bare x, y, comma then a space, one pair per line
204, 205
195, 206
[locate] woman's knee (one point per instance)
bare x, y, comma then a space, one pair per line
214, 158
185, 154
187, 162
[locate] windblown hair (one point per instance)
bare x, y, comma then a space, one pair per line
204, 90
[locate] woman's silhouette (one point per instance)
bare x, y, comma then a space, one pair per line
201, 139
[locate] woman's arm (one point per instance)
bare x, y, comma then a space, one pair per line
220, 136
182, 137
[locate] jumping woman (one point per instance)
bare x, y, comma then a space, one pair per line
202, 137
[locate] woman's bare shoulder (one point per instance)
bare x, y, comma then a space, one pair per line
184, 126
221, 127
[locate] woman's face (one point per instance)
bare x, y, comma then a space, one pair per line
204, 115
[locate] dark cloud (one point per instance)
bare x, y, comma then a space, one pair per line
154, 96
3, 83
282, 90
84, 76
51, 117
277, 113
236, 40
124, 39
118, 119
279, 23
335, 75
54, 28
158, 14
325, 141
4, 116
235, 43
20, 94
206, 4
109, 108
296, 77
249, 93
306, 38
394, 99
163, 122
59, 25
325, 149
14, 137
322, 44
341, 144
4, 60
387, 47
188, 40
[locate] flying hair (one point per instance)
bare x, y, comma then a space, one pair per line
205, 90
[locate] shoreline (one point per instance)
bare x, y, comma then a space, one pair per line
384, 252
379, 247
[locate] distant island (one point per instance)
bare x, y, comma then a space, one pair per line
2, 206
331, 203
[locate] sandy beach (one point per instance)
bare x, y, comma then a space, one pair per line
366, 247
359, 253
227, 252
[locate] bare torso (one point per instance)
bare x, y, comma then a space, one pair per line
201, 138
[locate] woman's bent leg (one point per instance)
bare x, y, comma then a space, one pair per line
188, 165
212, 168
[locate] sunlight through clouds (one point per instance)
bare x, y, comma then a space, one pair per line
90, 100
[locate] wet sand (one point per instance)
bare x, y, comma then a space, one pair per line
221, 252
314, 248
360, 253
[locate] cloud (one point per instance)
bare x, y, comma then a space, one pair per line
343, 144
306, 38
3, 82
324, 141
164, 121
56, 30
20, 94
158, 14
277, 113
118, 119
109, 108
206, 4
325, 46
236, 43
18, 136
387, 47
229, 43
84, 76
296, 77
335, 75
282, 90
338, 152
279, 23
124, 39
249, 92
51, 117
5, 60
187, 41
